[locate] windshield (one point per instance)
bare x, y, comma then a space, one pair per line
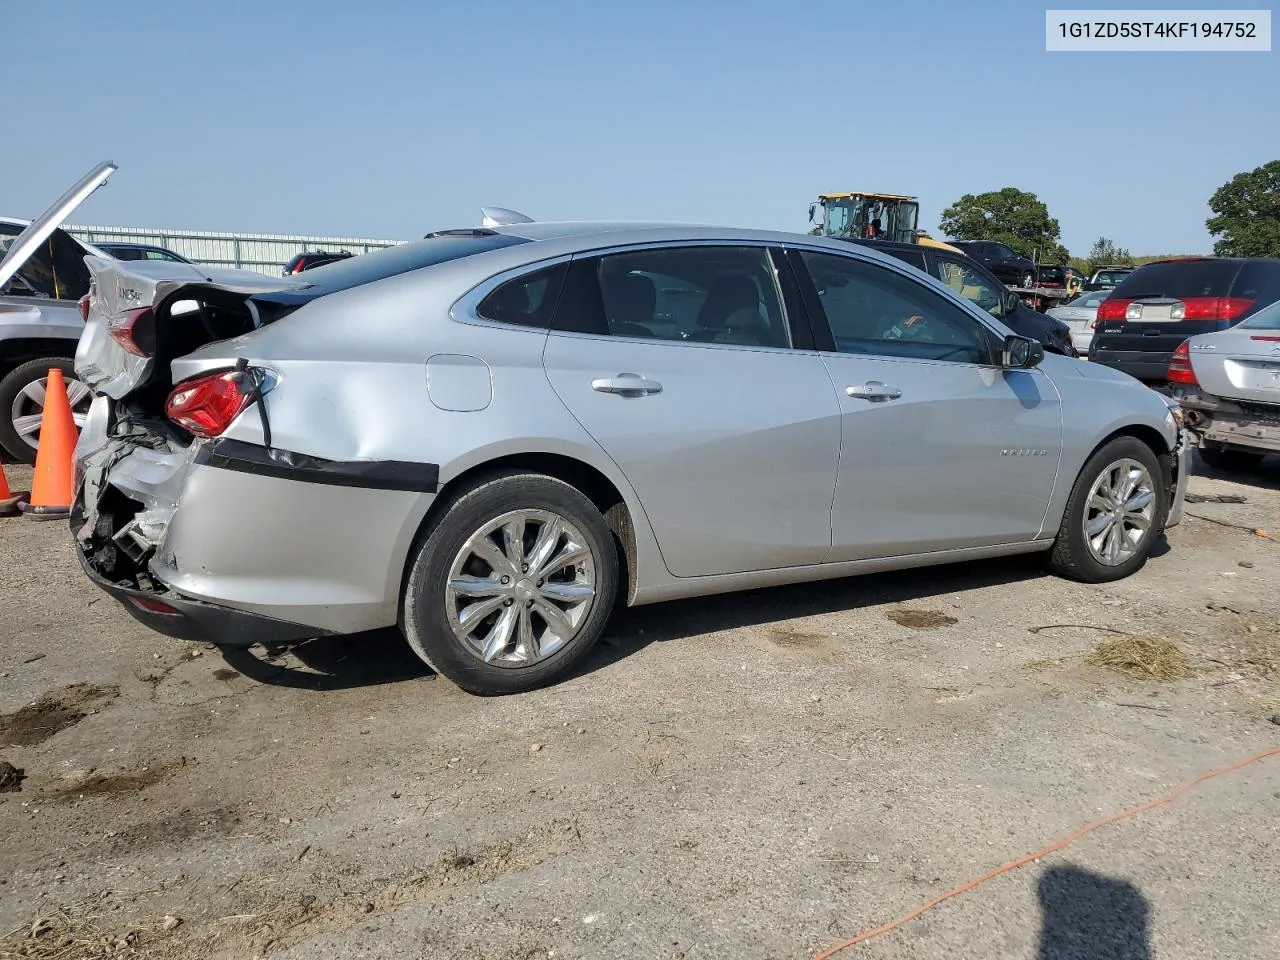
1091, 299
1268, 318
1178, 280
1110, 278
871, 218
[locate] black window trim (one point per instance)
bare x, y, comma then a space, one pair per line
822, 326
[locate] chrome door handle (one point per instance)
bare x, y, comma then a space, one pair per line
626, 385
873, 390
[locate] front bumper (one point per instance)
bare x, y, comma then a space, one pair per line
1182, 475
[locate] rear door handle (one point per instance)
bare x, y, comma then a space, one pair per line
873, 390
626, 385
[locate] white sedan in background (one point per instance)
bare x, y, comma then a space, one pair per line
1079, 314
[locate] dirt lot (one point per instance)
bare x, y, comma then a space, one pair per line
752, 776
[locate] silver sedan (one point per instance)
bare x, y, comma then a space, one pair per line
1228, 384
1079, 314
491, 435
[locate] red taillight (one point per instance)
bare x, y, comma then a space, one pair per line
205, 406
1215, 308
83, 304
155, 606
135, 331
1180, 365
1112, 309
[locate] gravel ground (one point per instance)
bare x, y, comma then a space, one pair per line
751, 776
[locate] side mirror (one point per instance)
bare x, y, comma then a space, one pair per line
1010, 303
1021, 353
813, 208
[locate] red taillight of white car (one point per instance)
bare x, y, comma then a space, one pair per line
83, 304
135, 331
1180, 365
205, 406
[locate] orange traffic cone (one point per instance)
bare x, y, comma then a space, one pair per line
8, 499
52, 487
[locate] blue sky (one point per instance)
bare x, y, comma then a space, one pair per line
389, 118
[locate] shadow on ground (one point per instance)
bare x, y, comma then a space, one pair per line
1088, 916
382, 656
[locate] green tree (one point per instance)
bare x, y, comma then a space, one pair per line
1104, 253
1011, 216
1247, 214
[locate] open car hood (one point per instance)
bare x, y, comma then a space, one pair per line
38, 231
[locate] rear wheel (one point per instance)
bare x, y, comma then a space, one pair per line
1117, 507
1229, 459
513, 585
22, 399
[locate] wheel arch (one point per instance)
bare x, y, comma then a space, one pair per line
18, 350
593, 483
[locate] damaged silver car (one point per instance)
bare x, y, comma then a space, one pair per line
492, 435
1228, 385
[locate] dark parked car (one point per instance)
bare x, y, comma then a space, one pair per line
1161, 304
1106, 278
1052, 276
1009, 268
315, 258
975, 282
141, 251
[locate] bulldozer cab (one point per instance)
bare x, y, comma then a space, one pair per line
880, 216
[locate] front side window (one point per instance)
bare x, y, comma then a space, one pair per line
877, 312
703, 294
970, 284
913, 257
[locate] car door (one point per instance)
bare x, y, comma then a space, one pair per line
682, 363
941, 448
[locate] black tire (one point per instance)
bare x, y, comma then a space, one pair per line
1230, 460
425, 618
16, 447
1071, 556
1027, 280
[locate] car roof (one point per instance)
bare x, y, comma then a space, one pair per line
130, 246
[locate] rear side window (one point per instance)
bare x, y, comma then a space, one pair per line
913, 257
1192, 278
704, 294
1257, 278
527, 301
55, 270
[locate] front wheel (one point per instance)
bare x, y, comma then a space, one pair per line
513, 586
1117, 507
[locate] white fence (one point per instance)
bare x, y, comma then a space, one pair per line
263, 252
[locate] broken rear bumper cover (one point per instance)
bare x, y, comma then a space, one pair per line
225, 543
1215, 420
182, 618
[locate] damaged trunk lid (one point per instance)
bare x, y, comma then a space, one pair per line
144, 313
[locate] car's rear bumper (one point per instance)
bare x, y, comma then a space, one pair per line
183, 618
219, 537
1216, 420
1150, 367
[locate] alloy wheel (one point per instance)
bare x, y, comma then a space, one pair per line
1119, 512
27, 410
520, 588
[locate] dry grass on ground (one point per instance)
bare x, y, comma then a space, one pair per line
1156, 658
